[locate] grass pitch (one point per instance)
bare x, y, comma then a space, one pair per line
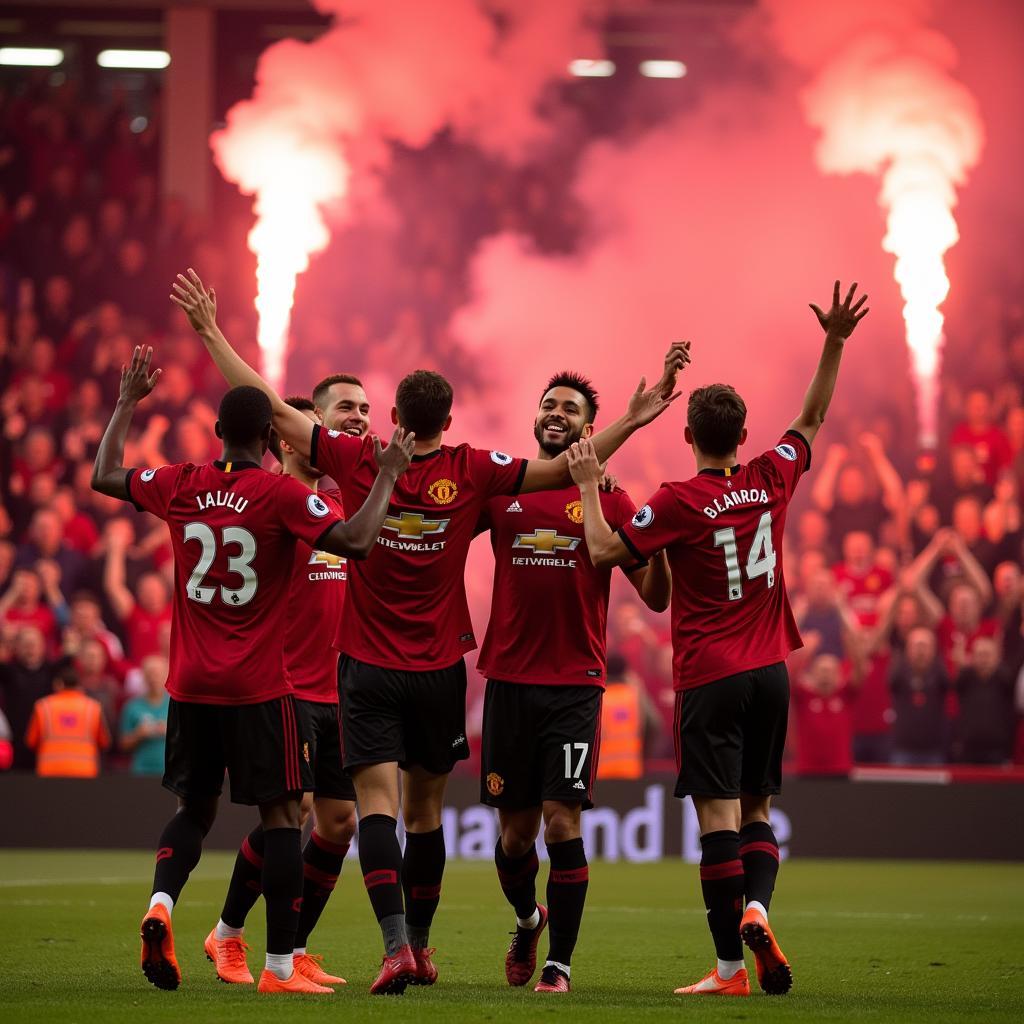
869, 941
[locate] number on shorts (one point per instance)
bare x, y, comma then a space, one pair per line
582, 748
760, 560
241, 564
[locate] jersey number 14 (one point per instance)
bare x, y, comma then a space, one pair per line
760, 560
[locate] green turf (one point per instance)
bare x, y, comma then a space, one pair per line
869, 941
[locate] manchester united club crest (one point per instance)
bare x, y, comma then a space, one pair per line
443, 491
495, 784
305, 752
574, 510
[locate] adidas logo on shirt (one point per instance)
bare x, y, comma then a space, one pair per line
514, 507
579, 785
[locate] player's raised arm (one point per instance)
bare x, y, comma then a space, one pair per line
109, 475
200, 306
645, 406
838, 324
604, 545
356, 537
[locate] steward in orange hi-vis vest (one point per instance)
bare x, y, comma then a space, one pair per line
67, 732
622, 726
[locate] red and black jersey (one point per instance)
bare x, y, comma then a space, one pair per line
722, 531
315, 601
550, 604
405, 606
233, 529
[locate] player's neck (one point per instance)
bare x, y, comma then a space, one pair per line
232, 454
427, 445
715, 461
303, 478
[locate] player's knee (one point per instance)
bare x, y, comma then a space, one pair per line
281, 814
421, 817
517, 841
337, 826
754, 808
202, 812
561, 823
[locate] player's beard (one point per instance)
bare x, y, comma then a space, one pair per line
555, 448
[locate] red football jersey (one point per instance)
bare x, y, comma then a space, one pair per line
233, 530
315, 600
863, 590
824, 728
722, 531
550, 604
405, 605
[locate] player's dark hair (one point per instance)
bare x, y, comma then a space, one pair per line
244, 415
68, 675
320, 391
424, 401
715, 415
577, 382
300, 402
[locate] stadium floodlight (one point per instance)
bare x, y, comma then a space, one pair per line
662, 68
592, 68
30, 56
149, 60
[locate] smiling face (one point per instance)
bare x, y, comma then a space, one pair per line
346, 408
562, 419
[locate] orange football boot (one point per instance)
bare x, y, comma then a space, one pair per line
297, 984
714, 985
228, 958
308, 965
159, 964
774, 974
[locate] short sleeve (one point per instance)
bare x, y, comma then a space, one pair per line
152, 490
303, 512
496, 473
787, 461
653, 527
337, 453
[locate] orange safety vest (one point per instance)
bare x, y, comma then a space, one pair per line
621, 741
67, 731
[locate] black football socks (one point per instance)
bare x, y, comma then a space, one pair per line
380, 858
721, 882
321, 866
181, 844
422, 871
518, 878
567, 892
282, 887
759, 851
246, 880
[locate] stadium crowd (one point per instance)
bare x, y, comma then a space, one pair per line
906, 575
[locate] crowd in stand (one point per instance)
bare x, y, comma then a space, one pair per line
906, 582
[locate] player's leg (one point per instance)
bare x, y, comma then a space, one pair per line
709, 722
434, 735
194, 771
764, 743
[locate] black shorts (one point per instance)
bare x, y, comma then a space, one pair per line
730, 734
261, 746
540, 743
321, 724
414, 718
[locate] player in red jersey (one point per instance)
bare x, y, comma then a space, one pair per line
232, 525
406, 627
731, 631
315, 601
544, 660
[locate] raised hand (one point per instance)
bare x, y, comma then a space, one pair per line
647, 405
200, 305
396, 457
676, 359
842, 318
583, 464
136, 381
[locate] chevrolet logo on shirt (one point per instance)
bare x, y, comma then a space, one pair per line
414, 526
326, 558
546, 542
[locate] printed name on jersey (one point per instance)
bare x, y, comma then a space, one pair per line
413, 530
146, 475
317, 506
514, 507
443, 491
787, 451
644, 517
574, 510
732, 499
222, 499
500, 458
